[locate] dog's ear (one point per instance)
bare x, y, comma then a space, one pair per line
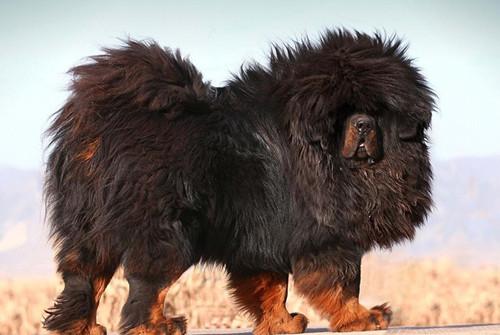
412, 125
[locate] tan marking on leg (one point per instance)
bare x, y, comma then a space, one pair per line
159, 323
263, 296
341, 306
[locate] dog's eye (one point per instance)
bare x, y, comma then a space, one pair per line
409, 130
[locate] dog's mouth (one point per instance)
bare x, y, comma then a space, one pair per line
361, 142
361, 150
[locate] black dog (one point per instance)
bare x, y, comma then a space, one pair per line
299, 167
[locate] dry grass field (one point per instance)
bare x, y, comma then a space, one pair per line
421, 293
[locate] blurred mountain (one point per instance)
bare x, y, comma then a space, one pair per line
464, 225
465, 222
23, 235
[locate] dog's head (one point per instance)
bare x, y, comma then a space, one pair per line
355, 97
355, 112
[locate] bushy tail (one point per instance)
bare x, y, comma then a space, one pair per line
140, 76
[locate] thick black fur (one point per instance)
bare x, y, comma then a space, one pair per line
154, 169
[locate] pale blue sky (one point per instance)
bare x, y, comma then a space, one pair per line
456, 43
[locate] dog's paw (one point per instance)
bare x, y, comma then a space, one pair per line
381, 315
295, 323
376, 318
169, 326
298, 324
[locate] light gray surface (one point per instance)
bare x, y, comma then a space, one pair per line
458, 329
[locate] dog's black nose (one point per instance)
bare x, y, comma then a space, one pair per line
364, 124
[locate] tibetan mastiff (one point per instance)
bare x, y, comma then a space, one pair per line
296, 167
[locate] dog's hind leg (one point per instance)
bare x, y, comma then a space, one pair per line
263, 296
74, 311
142, 314
152, 264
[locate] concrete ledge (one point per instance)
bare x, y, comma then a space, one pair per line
489, 329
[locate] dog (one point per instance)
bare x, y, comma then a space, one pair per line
297, 167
